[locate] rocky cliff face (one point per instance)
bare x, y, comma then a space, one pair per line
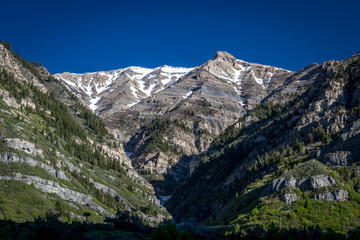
23, 145
9, 62
269, 154
195, 104
112, 91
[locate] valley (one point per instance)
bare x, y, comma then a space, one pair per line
227, 149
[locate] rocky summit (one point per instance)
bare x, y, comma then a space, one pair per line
227, 149
195, 104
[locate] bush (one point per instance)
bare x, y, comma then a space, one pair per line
170, 232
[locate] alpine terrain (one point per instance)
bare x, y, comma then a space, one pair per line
227, 149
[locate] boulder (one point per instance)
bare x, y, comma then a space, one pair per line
342, 158
335, 196
316, 182
280, 183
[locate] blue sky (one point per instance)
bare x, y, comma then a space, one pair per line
88, 36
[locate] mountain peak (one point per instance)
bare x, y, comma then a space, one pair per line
224, 56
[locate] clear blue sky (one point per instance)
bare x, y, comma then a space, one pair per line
87, 36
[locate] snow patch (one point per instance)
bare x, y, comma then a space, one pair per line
132, 104
134, 91
271, 75
188, 95
93, 103
258, 80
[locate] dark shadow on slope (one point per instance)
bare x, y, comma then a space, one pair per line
176, 175
50, 227
200, 193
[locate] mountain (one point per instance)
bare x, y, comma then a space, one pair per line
292, 162
251, 147
57, 157
164, 122
239, 149
123, 87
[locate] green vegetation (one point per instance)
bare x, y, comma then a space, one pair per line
169, 232
71, 138
343, 216
30, 66
21, 202
231, 185
59, 119
267, 110
157, 129
230, 134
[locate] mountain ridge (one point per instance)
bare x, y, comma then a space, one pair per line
227, 86
60, 154
249, 149
147, 74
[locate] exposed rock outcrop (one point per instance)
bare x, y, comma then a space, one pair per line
24, 146
71, 166
342, 158
306, 184
118, 154
280, 183
13, 65
335, 196
289, 198
114, 194
132, 174
11, 157
316, 182
49, 186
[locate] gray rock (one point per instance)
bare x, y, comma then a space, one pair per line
357, 168
341, 195
72, 167
335, 196
12, 157
113, 193
325, 196
322, 180
133, 175
280, 183
289, 198
342, 158
61, 175
316, 182
23, 145
49, 186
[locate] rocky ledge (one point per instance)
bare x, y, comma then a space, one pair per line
49, 186
24, 146
308, 184
11, 158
